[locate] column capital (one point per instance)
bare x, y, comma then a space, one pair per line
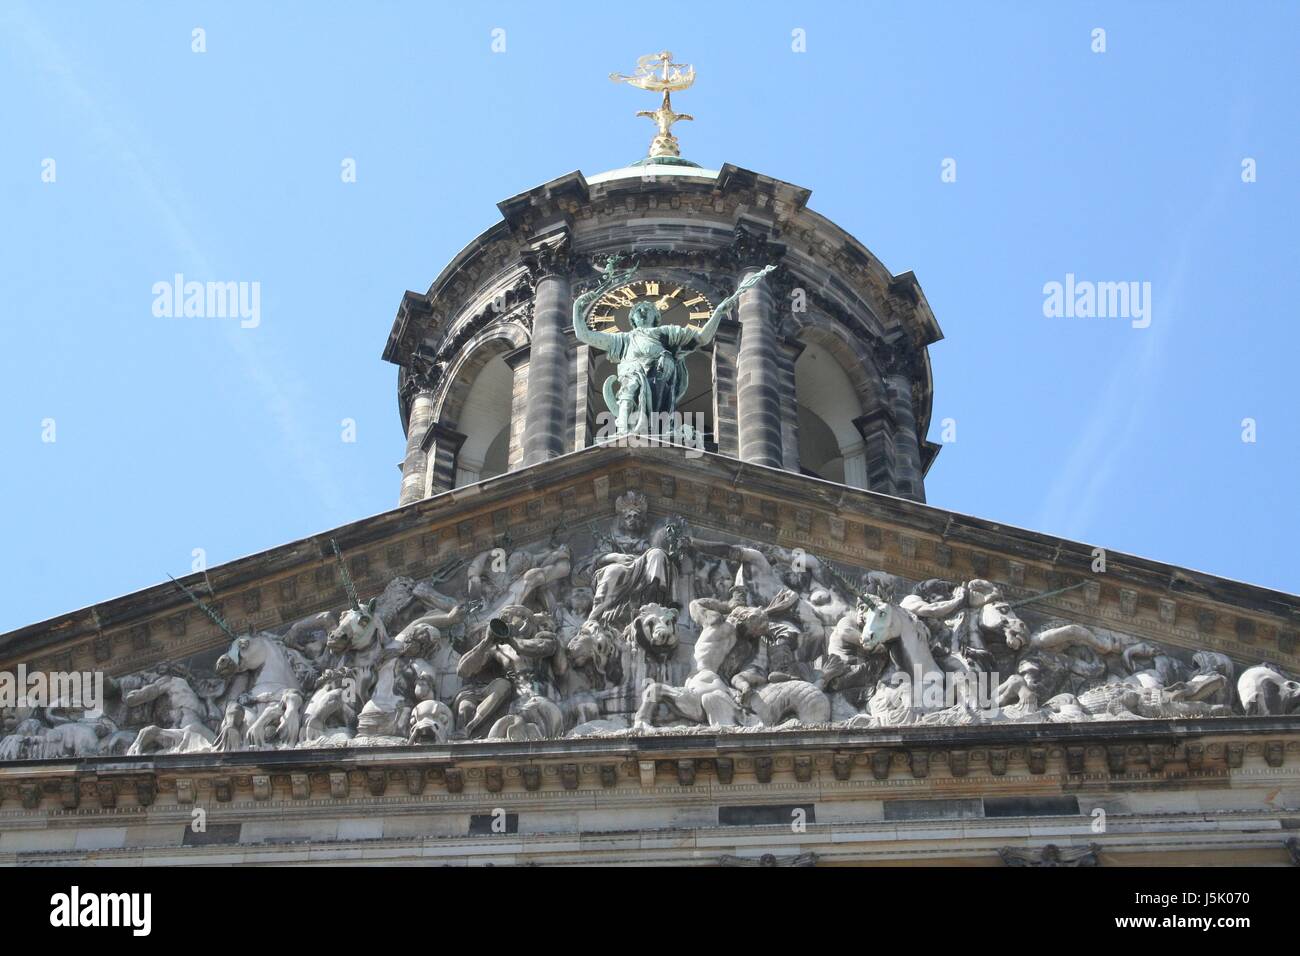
897, 357
752, 245
549, 255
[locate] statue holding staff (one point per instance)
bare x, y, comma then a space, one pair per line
650, 358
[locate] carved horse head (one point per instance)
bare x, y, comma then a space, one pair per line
358, 629
997, 617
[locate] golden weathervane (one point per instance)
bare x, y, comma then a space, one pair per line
658, 73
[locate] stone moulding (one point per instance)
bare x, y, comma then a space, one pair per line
976, 760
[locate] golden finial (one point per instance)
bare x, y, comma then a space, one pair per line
658, 73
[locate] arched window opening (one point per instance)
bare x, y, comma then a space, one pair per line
819, 452
830, 445
485, 423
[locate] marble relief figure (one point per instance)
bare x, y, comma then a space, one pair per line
643, 626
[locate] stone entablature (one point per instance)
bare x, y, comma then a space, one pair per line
1208, 789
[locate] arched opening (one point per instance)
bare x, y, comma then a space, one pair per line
830, 445
485, 422
819, 452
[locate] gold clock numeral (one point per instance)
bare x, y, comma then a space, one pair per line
615, 301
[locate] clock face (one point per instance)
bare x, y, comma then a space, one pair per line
677, 305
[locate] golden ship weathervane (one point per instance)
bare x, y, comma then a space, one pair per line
658, 73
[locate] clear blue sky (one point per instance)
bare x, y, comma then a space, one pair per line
175, 434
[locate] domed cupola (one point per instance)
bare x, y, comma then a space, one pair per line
818, 366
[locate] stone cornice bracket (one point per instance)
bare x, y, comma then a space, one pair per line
907, 303
533, 213
413, 314
785, 200
1052, 855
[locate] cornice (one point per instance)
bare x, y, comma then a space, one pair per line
909, 762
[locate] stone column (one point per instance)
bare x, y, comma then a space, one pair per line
758, 376
518, 362
907, 448
580, 388
724, 391
900, 369
548, 373
442, 449
416, 463
789, 355
878, 458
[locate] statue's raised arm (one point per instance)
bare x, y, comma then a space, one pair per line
710, 328
610, 277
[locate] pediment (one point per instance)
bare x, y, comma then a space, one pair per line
1143, 616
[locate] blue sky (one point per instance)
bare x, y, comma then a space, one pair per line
176, 434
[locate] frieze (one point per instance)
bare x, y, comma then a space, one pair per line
643, 624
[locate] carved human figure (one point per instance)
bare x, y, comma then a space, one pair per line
572, 613
506, 662
650, 358
705, 698
231, 735
708, 699
635, 568
784, 579
1019, 695
727, 627
182, 715
850, 667
330, 708
499, 579
388, 711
